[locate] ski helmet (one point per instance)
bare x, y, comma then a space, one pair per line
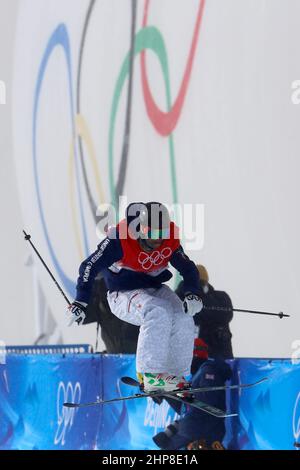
154, 221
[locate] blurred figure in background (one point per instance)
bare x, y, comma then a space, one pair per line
213, 325
197, 429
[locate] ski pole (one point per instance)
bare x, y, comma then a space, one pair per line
257, 312
28, 238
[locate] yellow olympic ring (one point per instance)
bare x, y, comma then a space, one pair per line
82, 131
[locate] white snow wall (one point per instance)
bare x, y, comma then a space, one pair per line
195, 107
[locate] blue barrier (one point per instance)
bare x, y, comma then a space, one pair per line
48, 349
33, 388
269, 414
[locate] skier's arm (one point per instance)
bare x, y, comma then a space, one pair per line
192, 302
188, 270
180, 290
108, 252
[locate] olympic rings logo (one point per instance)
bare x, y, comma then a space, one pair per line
145, 39
65, 416
155, 259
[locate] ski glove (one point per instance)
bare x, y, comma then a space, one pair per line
192, 304
76, 313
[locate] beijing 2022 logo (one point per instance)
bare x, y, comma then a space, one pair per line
65, 416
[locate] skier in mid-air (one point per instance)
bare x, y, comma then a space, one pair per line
134, 259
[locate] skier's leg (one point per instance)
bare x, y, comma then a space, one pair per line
121, 305
182, 334
154, 315
181, 344
154, 338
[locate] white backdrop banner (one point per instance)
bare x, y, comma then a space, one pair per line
182, 102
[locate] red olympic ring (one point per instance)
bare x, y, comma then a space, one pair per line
165, 122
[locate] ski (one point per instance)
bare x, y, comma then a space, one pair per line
159, 394
194, 403
201, 405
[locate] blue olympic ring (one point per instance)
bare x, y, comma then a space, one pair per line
59, 37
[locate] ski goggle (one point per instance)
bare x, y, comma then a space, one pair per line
155, 234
